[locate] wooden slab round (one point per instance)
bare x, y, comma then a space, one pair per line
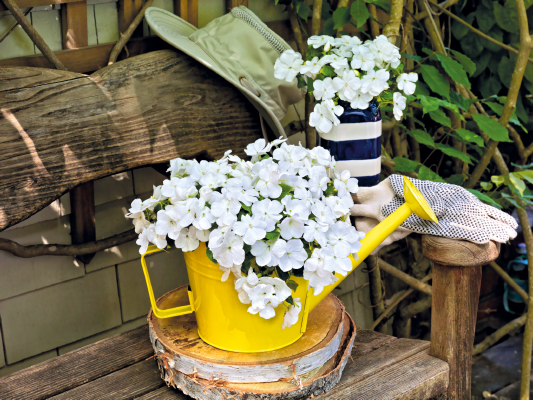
176, 341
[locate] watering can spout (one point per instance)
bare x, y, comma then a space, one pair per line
414, 203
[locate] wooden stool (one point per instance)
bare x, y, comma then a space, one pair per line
310, 366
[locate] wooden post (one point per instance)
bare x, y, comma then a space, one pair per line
235, 3
127, 11
188, 10
74, 25
456, 283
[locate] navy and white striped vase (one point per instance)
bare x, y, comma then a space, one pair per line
356, 143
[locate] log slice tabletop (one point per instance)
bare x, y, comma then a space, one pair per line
177, 341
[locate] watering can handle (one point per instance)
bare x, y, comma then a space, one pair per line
171, 312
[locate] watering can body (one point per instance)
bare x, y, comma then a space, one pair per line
224, 322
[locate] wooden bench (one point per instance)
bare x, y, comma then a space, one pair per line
148, 110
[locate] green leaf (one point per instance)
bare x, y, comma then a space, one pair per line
328, 70
469, 136
440, 118
482, 62
327, 11
292, 285
359, 12
455, 179
492, 128
405, 165
498, 109
301, 81
310, 86
518, 183
302, 10
491, 86
485, 17
505, 71
466, 62
290, 300
459, 30
484, 198
328, 28
209, 254
486, 185
422, 137
460, 101
411, 57
341, 16
383, 4
495, 33
435, 80
454, 69
497, 179
285, 188
506, 16
426, 174
247, 208
472, 45
421, 89
429, 103
272, 235
453, 152
520, 110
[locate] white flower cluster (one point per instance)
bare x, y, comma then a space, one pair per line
269, 218
358, 72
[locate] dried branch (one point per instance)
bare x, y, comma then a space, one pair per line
415, 308
507, 329
14, 26
478, 32
127, 35
376, 294
293, 18
392, 29
317, 17
65, 249
374, 26
397, 301
444, 4
413, 282
33, 34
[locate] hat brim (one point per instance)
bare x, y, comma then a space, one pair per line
175, 31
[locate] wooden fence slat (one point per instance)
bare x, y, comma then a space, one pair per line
78, 367
74, 25
188, 10
37, 3
127, 11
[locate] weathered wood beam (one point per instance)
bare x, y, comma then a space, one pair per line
455, 296
37, 3
58, 132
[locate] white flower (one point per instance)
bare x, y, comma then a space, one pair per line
406, 82
217, 236
318, 183
167, 223
262, 251
319, 119
230, 252
323, 213
143, 241
295, 207
315, 231
316, 274
363, 59
186, 212
346, 183
203, 216
399, 105
382, 50
292, 314
327, 46
268, 183
291, 227
344, 235
294, 257
137, 214
288, 65
280, 287
203, 235
159, 240
347, 85
250, 229
340, 205
337, 61
311, 67
333, 110
323, 89
258, 148
260, 296
336, 259
211, 181
317, 41
269, 211
375, 82
323, 156
226, 211
346, 40
301, 193
187, 240
361, 100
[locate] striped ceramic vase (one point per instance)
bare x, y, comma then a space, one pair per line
356, 143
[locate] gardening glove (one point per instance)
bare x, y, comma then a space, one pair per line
461, 215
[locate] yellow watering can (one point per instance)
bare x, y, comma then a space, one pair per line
224, 322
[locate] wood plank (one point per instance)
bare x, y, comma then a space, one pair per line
418, 377
127, 11
90, 58
128, 383
164, 393
11, 78
142, 111
74, 25
367, 341
37, 3
188, 10
78, 367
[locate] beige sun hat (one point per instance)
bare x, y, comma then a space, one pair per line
240, 48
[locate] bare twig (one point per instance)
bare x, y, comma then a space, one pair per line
493, 338
392, 29
66, 249
376, 294
413, 282
521, 292
293, 18
374, 26
14, 26
397, 301
444, 4
415, 308
127, 35
33, 34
